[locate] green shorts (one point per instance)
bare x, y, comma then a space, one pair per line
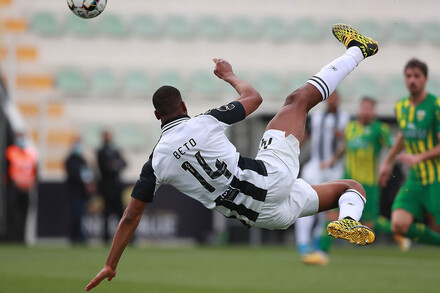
419, 199
371, 209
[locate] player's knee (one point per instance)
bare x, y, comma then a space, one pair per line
399, 227
353, 184
297, 99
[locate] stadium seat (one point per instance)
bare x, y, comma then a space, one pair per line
433, 85
396, 88
210, 27
365, 85
103, 81
402, 32
71, 81
296, 81
205, 83
45, 23
275, 29
269, 83
111, 25
306, 29
372, 29
146, 26
130, 137
173, 79
178, 27
79, 27
243, 29
430, 32
136, 81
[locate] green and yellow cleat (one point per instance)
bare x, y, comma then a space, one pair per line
351, 37
352, 231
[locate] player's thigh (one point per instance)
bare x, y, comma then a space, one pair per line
330, 192
292, 117
409, 199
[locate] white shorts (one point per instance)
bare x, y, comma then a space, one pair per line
287, 197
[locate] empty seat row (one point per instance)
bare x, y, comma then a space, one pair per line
104, 81
215, 28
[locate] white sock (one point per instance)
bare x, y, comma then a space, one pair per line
303, 228
333, 73
351, 204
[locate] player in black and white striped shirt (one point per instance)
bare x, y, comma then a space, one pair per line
195, 156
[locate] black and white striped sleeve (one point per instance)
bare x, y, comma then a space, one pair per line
229, 114
146, 184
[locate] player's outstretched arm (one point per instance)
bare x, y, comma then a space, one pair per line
124, 233
387, 166
249, 97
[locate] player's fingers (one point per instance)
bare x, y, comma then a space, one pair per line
95, 282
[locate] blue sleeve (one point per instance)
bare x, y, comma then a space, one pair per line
146, 184
229, 114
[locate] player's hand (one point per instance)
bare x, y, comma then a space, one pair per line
385, 171
222, 68
408, 159
106, 273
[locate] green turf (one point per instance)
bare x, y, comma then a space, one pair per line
229, 269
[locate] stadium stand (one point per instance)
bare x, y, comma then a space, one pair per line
275, 29
171, 78
44, 23
78, 27
137, 82
112, 25
243, 28
178, 27
306, 29
210, 27
103, 81
430, 32
146, 26
402, 32
70, 81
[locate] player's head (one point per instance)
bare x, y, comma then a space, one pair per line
333, 102
416, 76
367, 110
168, 102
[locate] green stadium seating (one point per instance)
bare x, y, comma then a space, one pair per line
396, 88
129, 136
146, 26
136, 81
79, 27
178, 27
45, 23
430, 32
243, 29
71, 81
365, 85
296, 81
433, 85
402, 32
269, 83
104, 81
205, 83
275, 29
111, 25
306, 29
372, 29
210, 27
173, 79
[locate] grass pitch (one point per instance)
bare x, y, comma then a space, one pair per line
226, 269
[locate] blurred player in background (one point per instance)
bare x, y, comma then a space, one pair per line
326, 129
364, 138
110, 163
418, 118
263, 192
80, 186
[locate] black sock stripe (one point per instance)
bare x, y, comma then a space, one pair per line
321, 86
323, 82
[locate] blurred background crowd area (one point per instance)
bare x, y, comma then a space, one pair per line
68, 77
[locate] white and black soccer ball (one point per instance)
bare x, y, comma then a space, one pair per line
87, 8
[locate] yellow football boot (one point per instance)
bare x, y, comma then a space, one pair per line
351, 37
352, 231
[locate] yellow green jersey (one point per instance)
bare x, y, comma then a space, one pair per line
419, 126
363, 144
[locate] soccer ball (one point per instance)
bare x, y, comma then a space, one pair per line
87, 8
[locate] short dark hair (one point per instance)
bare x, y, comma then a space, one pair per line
166, 100
416, 63
369, 99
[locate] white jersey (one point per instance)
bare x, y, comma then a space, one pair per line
323, 126
195, 156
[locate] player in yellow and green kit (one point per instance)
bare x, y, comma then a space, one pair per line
364, 138
418, 118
